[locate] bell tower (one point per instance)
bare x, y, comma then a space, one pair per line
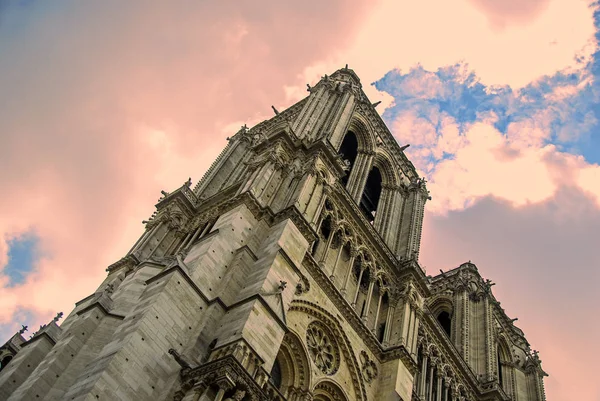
288, 272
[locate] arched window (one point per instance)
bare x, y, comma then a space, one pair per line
500, 379
326, 228
5, 361
504, 370
445, 321
371, 194
276, 374
349, 151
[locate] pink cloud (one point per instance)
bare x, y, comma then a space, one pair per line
434, 33
501, 13
103, 106
543, 259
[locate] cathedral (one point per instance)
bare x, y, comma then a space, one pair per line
290, 271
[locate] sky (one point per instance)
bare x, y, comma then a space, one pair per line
103, 104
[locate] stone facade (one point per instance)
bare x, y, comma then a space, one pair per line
289, 272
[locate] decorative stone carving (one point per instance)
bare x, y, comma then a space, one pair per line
368, 367
322, 348
237, 396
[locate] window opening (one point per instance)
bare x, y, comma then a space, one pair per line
275, 374
349, 151
500, 379
371, 194
445, 321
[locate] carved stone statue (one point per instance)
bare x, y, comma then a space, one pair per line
238, 396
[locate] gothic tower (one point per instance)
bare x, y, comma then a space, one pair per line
289, 272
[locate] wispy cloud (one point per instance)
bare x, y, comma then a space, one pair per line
473, 140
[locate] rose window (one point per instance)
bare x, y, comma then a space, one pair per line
322, 349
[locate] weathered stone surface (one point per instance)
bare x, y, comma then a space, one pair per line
289, 272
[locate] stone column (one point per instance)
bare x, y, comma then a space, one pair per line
185, 240
377, 312
284, 182
382, 210
446, 390
360, 172
224, 384
304, 185
328, 245
365, 314
439, 388
254, 170
149, 236
394, 222
159, 243
317, 217
316, 180
199, 230
490, 341
272, 169
423, 378
353, 254
337, 258
362, 270
430, 384
176, 235
389, 321
417, 318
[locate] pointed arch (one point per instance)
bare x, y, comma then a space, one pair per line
362, 128
292, 361
442, 309
504, 364
328, 390
389, 174
352, 364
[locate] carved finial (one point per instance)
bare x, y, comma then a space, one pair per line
275, 110
346, 67
164, 193
514, 320
282, 285
402, 148
58, 316
23, 329
188, 183
308, 87
376, 104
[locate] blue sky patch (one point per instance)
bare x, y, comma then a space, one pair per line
567, 103
23, 253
